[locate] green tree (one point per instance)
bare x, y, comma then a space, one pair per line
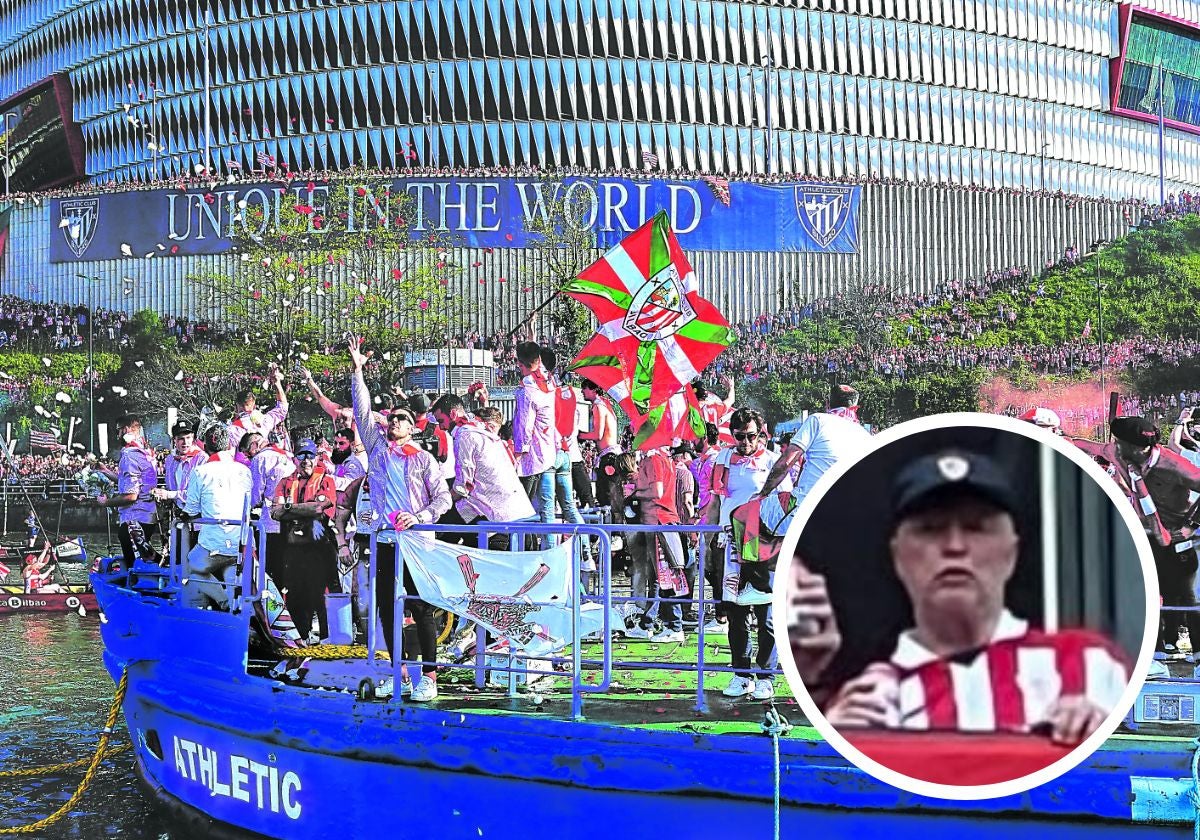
351, 256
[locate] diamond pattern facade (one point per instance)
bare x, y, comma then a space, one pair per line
998, 93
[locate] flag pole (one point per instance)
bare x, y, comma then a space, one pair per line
529, 318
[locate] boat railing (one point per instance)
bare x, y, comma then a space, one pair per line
251, 574
588, 587
602, 593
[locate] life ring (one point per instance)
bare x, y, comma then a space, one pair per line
14, 603
72, 602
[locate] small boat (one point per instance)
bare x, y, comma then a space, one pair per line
221, 740
44, 587
74, 598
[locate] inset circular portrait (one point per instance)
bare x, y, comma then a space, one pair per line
971, 607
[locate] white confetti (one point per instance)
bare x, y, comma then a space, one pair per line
139, 364
46, 361
126, 250
63, 397
179, 376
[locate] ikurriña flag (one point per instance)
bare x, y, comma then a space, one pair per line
656, 333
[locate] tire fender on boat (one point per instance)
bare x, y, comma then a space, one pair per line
366, 690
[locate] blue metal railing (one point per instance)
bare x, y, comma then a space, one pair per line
253, 580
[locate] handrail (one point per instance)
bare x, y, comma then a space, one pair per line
253, 574
602, 533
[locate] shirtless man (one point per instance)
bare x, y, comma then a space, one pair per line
606, 433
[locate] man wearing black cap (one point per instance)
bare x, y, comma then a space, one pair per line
184, 457
304, 505
969, 664
1159, 483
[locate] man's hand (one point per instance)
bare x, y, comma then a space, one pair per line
273, 373
404, 520
812, 627
1072, 719
160, 494
870, 701
357, 357
102, 500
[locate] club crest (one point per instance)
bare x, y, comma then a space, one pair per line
660, 308
953, 467
80, 215
823, 211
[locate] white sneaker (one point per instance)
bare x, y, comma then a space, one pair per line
425, 690
763, 690
739, 687
751, 597
637, 632
668, 636
406, 688
720, 628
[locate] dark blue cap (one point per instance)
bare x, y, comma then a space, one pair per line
946, 475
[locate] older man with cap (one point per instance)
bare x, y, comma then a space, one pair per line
969, 664
1159, 483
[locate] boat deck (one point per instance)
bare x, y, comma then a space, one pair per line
660, 697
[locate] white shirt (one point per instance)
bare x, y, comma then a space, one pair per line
744, 479
825, 439
218, 489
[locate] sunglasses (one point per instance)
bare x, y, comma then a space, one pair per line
746, 435
304, 456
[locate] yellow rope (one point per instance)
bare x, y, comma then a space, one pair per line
93, 766
58, 768
331, 652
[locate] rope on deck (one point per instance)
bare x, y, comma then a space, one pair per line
775, 724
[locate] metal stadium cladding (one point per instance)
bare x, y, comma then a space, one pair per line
963, 120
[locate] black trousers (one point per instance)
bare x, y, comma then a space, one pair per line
582, 484
423, 613
1177, 585
130, 551
310, 570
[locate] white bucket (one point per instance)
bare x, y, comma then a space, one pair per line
341, 618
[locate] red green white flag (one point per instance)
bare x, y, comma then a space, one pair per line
656, 333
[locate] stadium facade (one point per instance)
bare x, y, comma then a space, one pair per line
962, 108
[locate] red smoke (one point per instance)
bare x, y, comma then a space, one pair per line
1082, 406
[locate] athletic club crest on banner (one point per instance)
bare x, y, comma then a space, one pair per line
824, 211
78, 222
660, 308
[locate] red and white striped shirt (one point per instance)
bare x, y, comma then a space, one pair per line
1010, 684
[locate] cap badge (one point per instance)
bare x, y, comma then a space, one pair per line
953, 467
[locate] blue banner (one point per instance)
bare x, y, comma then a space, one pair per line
708, 214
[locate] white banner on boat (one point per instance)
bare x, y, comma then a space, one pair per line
522, 596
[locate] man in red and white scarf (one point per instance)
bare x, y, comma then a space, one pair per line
406, 490
177, 468
1159, 483
486, 487
821, 441
249, 419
